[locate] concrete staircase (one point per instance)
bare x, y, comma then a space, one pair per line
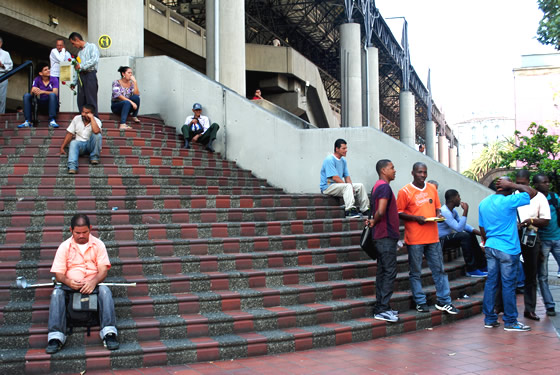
226, 265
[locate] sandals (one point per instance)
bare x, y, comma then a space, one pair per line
136, 120
124, 127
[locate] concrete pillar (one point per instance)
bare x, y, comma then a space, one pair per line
456, 158
373, 86
229, 43
407, 118
351, 74
442, 148
122, 21
453, 158
431, 139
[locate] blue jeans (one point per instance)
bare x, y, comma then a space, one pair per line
504, 267
123, 108
434, 257
57, 313
77, 148
50, 103
547, 247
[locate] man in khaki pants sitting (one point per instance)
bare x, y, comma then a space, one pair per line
336, 181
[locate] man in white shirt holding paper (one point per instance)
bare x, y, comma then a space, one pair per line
58, 55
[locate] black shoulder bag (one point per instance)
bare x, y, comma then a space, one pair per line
366, 241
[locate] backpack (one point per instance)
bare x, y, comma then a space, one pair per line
553, 201
75, 318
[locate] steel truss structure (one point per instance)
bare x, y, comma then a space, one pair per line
312, 28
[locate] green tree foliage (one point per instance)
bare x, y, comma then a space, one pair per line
538, 152
491, 155
548, 32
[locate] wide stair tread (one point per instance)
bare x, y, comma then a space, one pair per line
226, 265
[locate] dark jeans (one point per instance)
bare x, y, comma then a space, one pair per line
530, 267
386, 273
547, 247
50, 103
208, 136
124, 108
57, 313
87, 92
472, 253
502, 267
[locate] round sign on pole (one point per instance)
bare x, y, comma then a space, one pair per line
104, 41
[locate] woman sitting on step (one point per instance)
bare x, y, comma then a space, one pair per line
126, 97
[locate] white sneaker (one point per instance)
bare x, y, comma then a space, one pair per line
387, 316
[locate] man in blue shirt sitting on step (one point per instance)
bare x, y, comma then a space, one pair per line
336, 181
455, 231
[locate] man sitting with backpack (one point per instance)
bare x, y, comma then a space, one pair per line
80, 264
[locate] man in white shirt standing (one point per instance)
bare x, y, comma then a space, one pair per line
87, 130
57, 56
6, 65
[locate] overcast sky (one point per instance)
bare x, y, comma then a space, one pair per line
471, 48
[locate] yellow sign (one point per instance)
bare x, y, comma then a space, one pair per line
104, 41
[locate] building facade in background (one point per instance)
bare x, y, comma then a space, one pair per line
477, 133
537, 92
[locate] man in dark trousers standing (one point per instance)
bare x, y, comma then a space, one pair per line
86, 69
385, 224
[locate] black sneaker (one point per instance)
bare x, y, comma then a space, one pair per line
110, 341
365, 213
54, 346
352, 213
448, 308
492, 325
551, 311
423, 308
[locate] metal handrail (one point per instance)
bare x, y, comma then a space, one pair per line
27, 64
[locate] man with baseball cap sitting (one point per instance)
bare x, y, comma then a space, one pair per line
197, 128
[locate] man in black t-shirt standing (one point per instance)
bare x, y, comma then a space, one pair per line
385, 224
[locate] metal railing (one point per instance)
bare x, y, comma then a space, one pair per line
19, 68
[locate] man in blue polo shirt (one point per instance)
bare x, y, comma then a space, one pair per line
497, 215
45, 88
336, 181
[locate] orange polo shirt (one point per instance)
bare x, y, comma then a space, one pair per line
70, 261
419, 202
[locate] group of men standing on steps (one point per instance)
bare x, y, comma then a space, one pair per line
418, 206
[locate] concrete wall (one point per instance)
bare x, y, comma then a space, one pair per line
271, 147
